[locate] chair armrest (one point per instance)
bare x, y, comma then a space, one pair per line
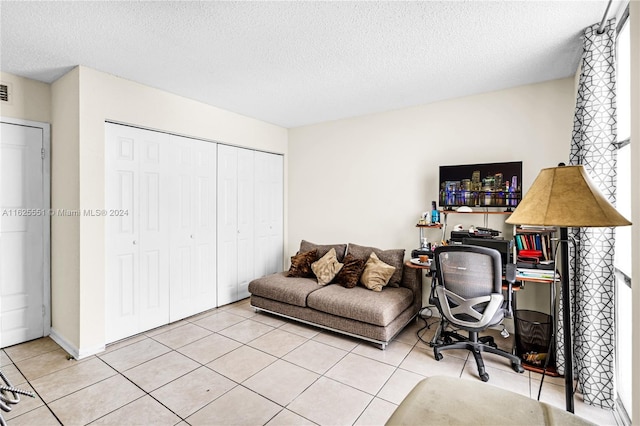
510, 278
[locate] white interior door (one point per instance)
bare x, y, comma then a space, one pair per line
24, 233
137, 241
193, 228
227, 218
269, 238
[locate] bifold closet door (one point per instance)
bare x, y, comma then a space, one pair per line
269, 200
137, 239
193, 227
235, 223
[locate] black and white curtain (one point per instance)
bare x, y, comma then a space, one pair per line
593, 275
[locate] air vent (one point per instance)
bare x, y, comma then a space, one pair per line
4, 93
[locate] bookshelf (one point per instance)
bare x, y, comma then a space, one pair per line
536, 264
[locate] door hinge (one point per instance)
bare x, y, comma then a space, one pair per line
42, 153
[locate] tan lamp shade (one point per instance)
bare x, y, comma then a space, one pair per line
565, 196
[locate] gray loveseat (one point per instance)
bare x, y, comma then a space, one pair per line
360, 312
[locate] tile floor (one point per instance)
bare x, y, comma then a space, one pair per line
235, 366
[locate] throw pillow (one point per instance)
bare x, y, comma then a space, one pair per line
394, 257
301, 264
323, 249
350, 273
376, 273
327, 267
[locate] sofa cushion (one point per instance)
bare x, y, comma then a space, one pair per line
323, 249
393, 257
349, 275
326, 268
358, 303
301, 264
376, 273
293, 291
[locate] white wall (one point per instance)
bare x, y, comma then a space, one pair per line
28, 99
367, 179
83, 100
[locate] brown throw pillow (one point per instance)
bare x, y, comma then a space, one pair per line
301, 264
326, 268
376, 273
394, 257
350, 273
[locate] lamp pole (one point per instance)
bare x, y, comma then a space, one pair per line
566, 320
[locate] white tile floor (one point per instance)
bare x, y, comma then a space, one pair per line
235, 366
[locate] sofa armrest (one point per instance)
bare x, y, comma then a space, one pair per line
412, 279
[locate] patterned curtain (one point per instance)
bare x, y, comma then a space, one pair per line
593, 275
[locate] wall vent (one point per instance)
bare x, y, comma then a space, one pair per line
4, 93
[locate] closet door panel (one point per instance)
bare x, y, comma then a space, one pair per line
227, 217
193, 284
136, 238
153, 238
245, 222
181, 243
269, 213
204, 227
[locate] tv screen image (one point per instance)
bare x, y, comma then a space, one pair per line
481, 185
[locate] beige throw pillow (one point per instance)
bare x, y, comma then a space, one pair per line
376, 273
327, 267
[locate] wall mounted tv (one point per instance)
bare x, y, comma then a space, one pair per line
481, 185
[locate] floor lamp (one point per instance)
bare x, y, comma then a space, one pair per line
565, 197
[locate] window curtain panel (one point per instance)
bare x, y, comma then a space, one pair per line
592, 273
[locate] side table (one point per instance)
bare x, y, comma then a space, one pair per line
429, 273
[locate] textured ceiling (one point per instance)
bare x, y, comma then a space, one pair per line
297, 63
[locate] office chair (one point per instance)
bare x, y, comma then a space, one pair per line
469, 297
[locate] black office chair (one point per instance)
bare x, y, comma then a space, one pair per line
469, 296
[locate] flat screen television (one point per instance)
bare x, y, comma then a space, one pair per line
481, 185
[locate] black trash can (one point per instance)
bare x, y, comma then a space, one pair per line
533, 337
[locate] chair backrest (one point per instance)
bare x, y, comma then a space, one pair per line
469, 289
469, 271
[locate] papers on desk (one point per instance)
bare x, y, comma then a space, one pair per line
542, 274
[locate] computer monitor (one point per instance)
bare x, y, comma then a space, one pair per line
503, 246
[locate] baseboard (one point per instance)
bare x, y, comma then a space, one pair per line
71, 349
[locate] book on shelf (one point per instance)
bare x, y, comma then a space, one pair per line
536, 273
534, 245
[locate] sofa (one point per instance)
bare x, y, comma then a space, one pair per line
443, 400
359, 291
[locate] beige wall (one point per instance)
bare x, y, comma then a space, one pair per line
65, 230
28, 99
78, 257
367, 179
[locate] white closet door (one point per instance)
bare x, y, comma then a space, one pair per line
137, 241
246, 218
269, 238
193, 233
23, 213
227, 218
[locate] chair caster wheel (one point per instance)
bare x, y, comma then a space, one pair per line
484, 377
438, 357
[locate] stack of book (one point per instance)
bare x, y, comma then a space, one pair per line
542, 274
